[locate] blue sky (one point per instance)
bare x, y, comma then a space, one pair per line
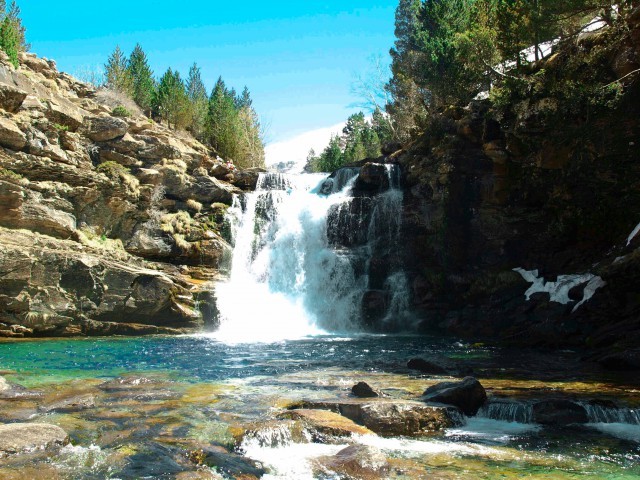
297, 58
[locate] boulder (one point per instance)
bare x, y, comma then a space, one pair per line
25, 437
11, 98
247, 179
358, 461
363, 390
66, 115
394, 417
102, 129
431, 365
372, 177
11, 136
559, 412
324, 423
468, 395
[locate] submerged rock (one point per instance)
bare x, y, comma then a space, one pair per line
358, 461
25, 437
227, 463
71, 404
468, 395
559, 412
438, 365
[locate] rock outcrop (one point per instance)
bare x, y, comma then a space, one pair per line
541, 182
26, 437
108, 225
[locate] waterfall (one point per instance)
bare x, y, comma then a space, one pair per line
606, 414
508, 411
312, 255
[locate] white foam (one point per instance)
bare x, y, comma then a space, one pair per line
499, 431
624, 431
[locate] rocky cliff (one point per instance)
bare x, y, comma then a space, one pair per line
108, 224
519, 216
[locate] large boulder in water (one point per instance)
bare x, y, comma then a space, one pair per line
559, 412
325, 423
394, 418
364, 390
25, 437
437, 365
468, 395
373, 177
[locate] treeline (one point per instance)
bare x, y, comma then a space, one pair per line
447, 51
360, 139
222, 119
12, 32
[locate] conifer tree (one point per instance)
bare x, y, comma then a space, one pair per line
9, 40
14, 15
117, 75
142, 79
171, 101
199, 102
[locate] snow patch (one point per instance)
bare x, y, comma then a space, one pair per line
559, 290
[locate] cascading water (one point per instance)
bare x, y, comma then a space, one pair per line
311, 256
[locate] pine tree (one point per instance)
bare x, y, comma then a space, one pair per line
9, 40
222, 121
117, 75
245, 99
171, 101
199, 102
142, 79
14, 15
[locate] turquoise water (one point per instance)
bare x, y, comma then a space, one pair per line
200, 391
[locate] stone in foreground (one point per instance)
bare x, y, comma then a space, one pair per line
326, 423
468, 395
25, 437
395, 417
358, 461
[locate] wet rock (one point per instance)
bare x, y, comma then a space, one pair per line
358, 461
67, 405
324, 423
622, 361
25, 437
153, 460
227, 463
247, 179
372, 177
363, 390
432, 365
11, 98
468, 395
11, 136
559, 412
102, 129
394, 417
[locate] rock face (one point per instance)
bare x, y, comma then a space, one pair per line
493, 188
103, 220
25, 437
468, 395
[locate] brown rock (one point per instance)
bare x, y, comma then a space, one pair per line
102, 129
326, 423
468, 395
358, 461
11, 136
11, 98
363, 390
24, 437
66, 115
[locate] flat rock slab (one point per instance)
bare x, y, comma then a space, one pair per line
71, 404
326, 422
25, 437
394, 417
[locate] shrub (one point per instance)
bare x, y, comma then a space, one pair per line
60, 127
120, 111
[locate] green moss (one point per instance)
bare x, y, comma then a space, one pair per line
60, 127
113, 170
10, 174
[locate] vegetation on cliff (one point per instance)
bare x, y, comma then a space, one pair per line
224, 119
